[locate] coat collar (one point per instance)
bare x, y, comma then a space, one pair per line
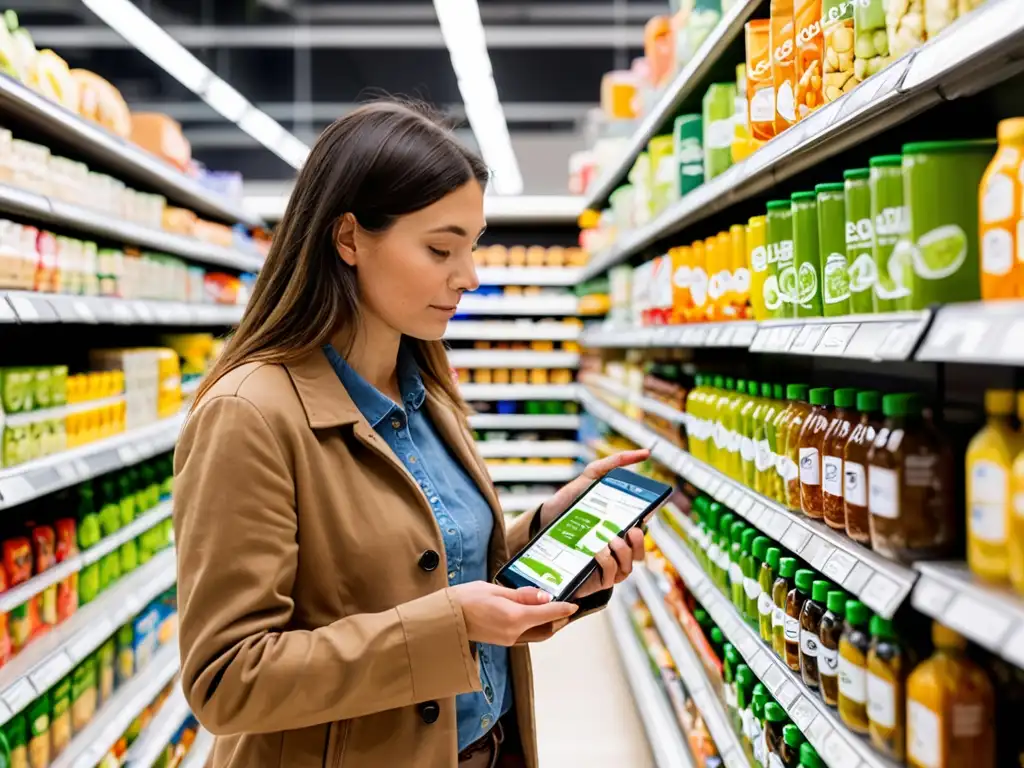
323, 396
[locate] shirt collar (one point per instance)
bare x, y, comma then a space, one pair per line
371, 402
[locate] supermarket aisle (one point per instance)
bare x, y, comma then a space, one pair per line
580, 684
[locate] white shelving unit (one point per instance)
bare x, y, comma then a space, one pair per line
523, 421
507, 330
551, 305
510, 358
521, 502
543, 276
552, 449
533, 473
35, 308
518, 391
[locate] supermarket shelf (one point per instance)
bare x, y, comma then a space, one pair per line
837, 745
968, 56
879, 583
523, 421
682, 88
731, 334
89, 745
39, 477
646, 404
545, 305
509, 358
201, 750
17, 595
532, 209
668, 745
521, 502
506, 330
32, 308
152, 742
47, 659
983, 332
891, 336
106, 152
548, 449
989, 614
561, 276
21, 202
533, 473
518, 391
691, 670
57, 412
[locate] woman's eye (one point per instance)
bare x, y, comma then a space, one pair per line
438, 251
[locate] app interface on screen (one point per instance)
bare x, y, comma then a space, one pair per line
571, 543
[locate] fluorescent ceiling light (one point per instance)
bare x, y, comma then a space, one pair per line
138, 29
464, 37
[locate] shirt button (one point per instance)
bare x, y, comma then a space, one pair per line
451, 531
452, 575
396, 423
412, 459
485, 721
434, 500
489, 693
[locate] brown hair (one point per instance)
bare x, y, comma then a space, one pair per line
379, 162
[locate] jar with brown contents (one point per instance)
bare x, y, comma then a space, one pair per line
810, 626
780, 592
834, 442
855, 462
775, 722
795, 600
829, 632
854, 645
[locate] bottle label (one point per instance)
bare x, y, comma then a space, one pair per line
730, 695
832, 475
792, 628
714, 553
751, 587
763, 458
765, 606
987, 504
735, 573
809, 643
828, 661
968, 721
881, 702
778, 617
852, 681
883, 492
724, 563
855, 484
810, 466
923, 734
747, 449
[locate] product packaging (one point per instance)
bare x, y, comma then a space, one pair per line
809, 56
783, 45
871, 45
760, 85
718, 106
688, 152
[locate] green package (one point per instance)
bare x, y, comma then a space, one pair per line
835, 273
889, 217
17, 739
719, 129
110, 569
780, 287
871, 41
88, 583
35, 438
89, 532
106, 662
129, 497
17, 389
663, 173
58, 385
688, 152
859, 240
43, 392
39, 731
806, 257
125, 648
60, 719
941, 181
129, 554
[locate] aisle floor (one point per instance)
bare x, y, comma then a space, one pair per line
585, 710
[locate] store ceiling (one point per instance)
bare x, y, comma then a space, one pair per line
306, 62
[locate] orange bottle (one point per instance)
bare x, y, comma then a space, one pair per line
740, 292
682, 275
718, 277
760, 86
699, 281
809, 56
659, 49
799, 409
1002, 265
782, 41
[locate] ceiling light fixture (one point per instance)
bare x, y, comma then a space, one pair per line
152, 40
463, 34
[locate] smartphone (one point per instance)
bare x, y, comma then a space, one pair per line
561, 557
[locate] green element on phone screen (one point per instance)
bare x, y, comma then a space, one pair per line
543, 572
573, 527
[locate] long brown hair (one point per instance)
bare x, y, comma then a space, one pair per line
379, 162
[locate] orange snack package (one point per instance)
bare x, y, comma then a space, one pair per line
760, 87
782, 41
682, 273
809, 56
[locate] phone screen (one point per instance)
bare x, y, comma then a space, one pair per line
567, 547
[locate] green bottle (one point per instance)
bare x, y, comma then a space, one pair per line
752, 584
809, 757
761, 395
745, 682
888, 213
736, 403
735, 567
780, 285
806, 256
730, 662
749, 570
859, 239
766, 579
835, 272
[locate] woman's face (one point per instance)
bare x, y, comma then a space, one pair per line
413, 275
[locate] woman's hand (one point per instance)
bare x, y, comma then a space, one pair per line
501, 616
615, 562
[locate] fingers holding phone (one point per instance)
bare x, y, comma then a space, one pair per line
501, 616
614, 563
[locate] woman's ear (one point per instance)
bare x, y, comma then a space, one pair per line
345, 238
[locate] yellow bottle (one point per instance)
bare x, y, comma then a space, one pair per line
739, 295
950, 708
757, 263
1015, 544
717, 262
989, 460
698, 282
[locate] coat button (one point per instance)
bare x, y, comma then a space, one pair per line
429, 712
429, 560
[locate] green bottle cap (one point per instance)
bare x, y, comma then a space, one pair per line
747, 539
869, 401
804, 580
830, 186
801, 197
809, 757
761, 690
698, 380
701, 616
778, 391
778, 205
725, 523
845, 397
932, 147
741, 386
882, 628
821, 396
717, 637
766, 390
719, 382
730, 383
772, 556
901, 404
787, 567
792, 736
744, 676
836, 602
753, 388
774, 713
797, 392
857, 613
819, 591
736, 531
883, 161
732, 656
760, 547
856, 173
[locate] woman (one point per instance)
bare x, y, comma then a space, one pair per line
336, 527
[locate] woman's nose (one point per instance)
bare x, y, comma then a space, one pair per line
465, 277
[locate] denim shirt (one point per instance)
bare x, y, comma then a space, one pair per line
462, 514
